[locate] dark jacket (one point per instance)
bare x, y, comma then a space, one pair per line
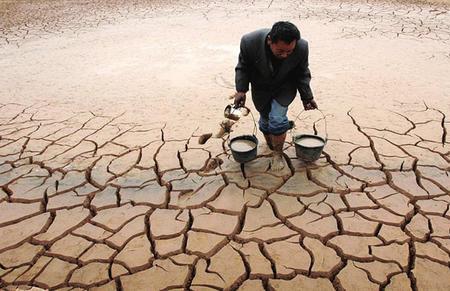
255, 67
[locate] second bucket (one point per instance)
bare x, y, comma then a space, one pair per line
309, 147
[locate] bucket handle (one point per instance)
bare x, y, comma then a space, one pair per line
254, 120
324, 119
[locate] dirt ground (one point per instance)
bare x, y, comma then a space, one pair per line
104, 185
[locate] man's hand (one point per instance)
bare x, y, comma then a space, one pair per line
309, 104
239, 99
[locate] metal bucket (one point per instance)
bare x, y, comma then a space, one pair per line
244, 156
309, 152
232, 112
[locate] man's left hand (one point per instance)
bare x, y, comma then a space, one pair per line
310, 104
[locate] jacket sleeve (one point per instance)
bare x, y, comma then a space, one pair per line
304, 77
242, 69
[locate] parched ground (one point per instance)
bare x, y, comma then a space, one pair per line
104, 185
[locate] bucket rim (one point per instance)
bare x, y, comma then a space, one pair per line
252, 138
298, 136
244, 137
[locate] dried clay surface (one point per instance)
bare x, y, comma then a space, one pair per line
105, 186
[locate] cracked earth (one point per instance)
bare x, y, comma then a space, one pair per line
105, 186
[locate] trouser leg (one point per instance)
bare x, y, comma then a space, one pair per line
278, 121
278, 125
264, 127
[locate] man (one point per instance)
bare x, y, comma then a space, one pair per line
275, 62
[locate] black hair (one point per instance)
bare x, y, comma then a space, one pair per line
284, 31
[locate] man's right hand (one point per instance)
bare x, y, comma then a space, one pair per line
239, 99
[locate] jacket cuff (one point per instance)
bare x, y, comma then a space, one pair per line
306, 98
242, 88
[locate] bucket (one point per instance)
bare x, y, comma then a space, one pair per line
309, 147
244, 148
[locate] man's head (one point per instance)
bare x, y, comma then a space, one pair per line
282, 39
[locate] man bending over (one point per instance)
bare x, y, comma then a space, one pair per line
275, 63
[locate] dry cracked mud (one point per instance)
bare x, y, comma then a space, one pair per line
104, 185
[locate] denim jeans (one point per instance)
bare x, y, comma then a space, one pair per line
276, 122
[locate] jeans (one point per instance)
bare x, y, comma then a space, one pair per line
276, 122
